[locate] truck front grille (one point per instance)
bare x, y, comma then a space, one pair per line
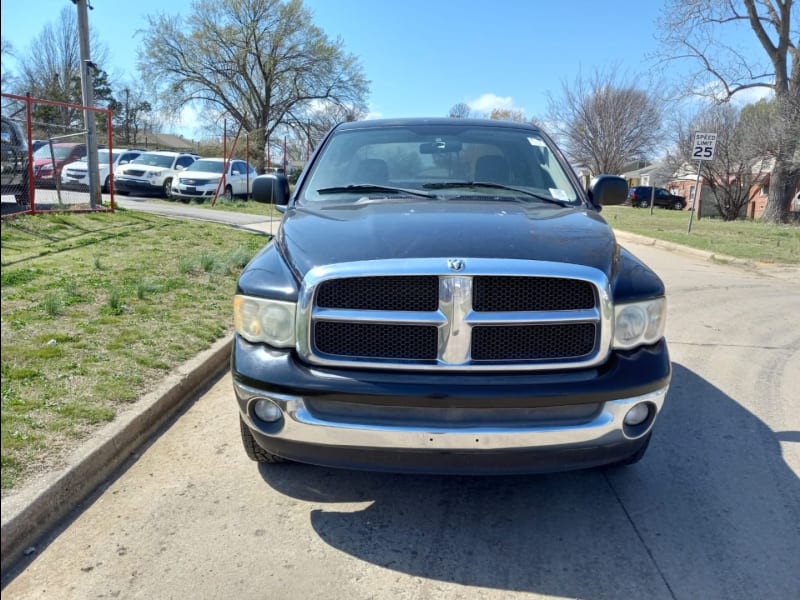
531, 315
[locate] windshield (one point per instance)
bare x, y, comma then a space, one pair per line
154, 160
102, 156
206, 166
446, 161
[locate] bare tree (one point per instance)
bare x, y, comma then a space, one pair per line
461, 110
6, 50
735, 168
51, 70
605, 122
261, 62
696, 30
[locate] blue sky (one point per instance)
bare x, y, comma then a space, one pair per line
424, 56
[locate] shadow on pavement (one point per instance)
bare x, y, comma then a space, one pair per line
712, 511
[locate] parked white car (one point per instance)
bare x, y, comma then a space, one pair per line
151, 173
77, 173
201, 180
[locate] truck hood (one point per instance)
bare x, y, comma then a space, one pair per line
448, 229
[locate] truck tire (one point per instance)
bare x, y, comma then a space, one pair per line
677, 205
253, 450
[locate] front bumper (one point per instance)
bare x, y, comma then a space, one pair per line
451, 423
194, 193
140, 186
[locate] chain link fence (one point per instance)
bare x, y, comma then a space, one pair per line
44, 157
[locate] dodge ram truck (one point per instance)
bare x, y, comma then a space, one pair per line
443, 296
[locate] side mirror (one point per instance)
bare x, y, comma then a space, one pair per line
272, 188
608, 189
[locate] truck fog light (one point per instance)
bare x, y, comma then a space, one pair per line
267, 411
638, 414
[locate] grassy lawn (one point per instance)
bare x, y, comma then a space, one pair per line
741, 239
96, 310
250, 207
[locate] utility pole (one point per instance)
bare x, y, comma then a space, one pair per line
87, 87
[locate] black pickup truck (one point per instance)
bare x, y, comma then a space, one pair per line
442, 296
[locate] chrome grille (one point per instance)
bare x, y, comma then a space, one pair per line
419, 314
532, 342
371, 340
380, 293
492, 294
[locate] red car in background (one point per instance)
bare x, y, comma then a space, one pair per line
45, 171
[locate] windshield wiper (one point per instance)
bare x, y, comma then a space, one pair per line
375, 188
486, 184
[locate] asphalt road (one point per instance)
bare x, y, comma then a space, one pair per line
713, 510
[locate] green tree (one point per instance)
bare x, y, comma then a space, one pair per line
261, 62
508, 114
130, 114
696, 30
736, 166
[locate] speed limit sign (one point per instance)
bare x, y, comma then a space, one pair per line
704, 144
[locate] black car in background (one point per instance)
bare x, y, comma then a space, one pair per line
14, 150
640, 195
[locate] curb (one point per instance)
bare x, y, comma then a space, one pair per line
36, 509
674, 247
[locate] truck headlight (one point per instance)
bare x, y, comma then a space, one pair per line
263, 320
639, 323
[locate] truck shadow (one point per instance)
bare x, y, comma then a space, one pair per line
712, 510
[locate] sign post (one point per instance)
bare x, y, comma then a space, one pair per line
703, 149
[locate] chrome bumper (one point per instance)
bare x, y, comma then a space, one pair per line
299, 425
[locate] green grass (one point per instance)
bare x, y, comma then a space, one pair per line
96, 310
239, 205
751, 240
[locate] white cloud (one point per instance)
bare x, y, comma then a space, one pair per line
189, 125
714, 90
486, 103
751, 96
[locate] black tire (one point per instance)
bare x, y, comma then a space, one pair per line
644, 203
253, 450
636, 456
166, 189
106, 184
229, 194
23, 196
678, 205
